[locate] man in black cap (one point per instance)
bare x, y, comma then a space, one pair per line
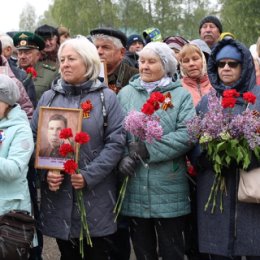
210, 29
47, 66
134, 44
111, 46
51, 39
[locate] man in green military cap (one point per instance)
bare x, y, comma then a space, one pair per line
28, 46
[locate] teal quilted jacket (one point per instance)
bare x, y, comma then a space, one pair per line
160, 191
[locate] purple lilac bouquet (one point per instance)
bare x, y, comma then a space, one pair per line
144, 126
226, 137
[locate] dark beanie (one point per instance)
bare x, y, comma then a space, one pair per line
211, 19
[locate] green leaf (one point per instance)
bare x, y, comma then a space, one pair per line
221, 146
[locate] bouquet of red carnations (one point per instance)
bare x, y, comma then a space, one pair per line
227, 137
71, 167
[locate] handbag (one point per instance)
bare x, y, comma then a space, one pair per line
249, 186
17, 229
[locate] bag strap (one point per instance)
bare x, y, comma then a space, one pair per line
104, 111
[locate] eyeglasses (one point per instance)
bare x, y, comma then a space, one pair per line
231, 64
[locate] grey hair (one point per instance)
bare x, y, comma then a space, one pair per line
88, 52
118, 44
165, 53
6, 40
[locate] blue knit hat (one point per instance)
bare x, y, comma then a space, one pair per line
134, 38
229, 52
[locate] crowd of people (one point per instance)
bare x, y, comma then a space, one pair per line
163, 210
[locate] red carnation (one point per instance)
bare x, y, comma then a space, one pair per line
231, 93
154, 103
148, 109
157, 97
228, 102
32, 72
249, 97
65, 149
70, 166
86, 105
66, 133
82, 138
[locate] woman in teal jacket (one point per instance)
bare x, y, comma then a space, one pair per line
16, 147
157, 196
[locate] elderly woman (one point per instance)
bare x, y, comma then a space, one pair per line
157, 196
80, 67
194, 71
235, 231
195, 79
16, 148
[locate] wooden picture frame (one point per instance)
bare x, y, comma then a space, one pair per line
51, 121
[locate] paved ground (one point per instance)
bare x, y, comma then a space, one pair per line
51, 251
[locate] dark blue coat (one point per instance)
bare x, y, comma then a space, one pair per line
236, 230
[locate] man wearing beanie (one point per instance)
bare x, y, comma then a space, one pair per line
210, 29
134, 44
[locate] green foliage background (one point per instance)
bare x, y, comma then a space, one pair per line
172, 17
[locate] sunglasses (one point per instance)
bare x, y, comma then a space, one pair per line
231, 64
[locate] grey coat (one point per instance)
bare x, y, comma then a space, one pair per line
97, 159
235, 232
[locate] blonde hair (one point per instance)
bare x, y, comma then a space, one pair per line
189, 49
88, 52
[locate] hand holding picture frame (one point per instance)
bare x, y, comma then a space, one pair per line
51, 121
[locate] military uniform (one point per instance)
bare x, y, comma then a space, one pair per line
28, 40
47, 71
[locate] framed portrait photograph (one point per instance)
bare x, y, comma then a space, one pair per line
51, 121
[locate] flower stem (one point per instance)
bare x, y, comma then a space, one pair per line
84, 225
121, 197
213, 193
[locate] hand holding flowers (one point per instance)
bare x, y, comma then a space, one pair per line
144, 126
77, 180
